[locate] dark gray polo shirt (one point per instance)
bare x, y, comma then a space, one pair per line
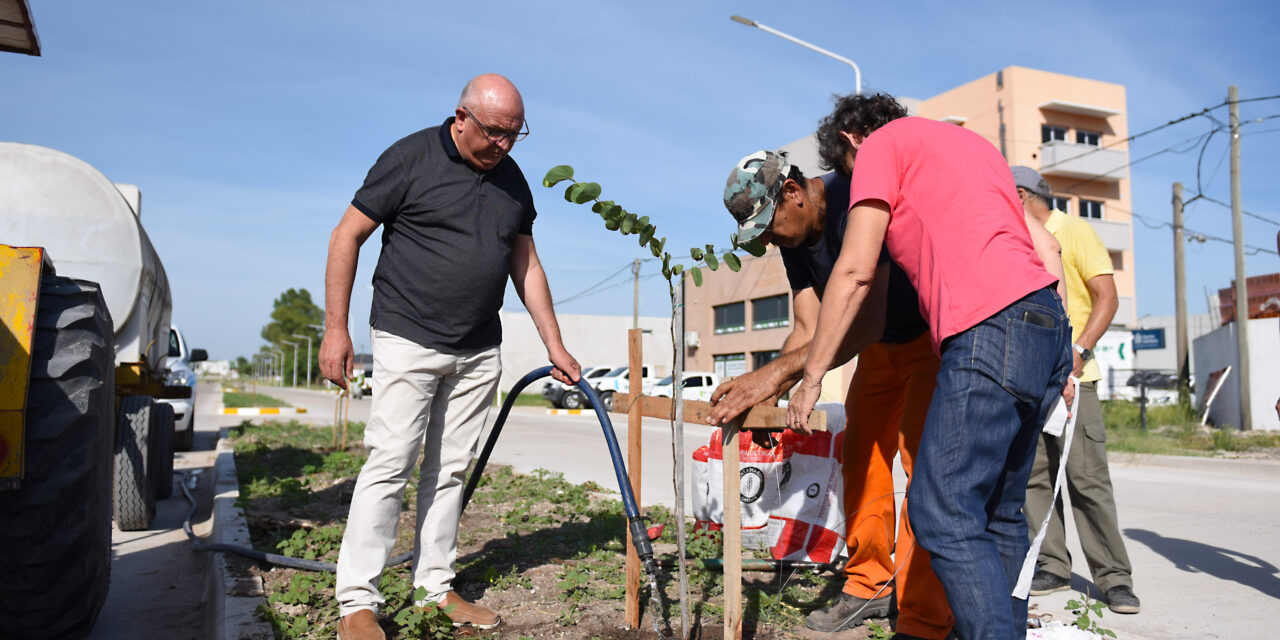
447, 233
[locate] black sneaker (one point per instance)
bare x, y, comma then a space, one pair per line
1121, 600
1044, 583
847, 612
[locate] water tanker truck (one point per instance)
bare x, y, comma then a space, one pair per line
85, 305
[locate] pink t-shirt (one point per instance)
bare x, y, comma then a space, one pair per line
956, 226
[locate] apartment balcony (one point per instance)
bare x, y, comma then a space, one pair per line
1117, 236
1083, 161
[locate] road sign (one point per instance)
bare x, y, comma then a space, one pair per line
1148, 339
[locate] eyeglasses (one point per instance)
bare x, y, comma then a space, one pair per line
497, 135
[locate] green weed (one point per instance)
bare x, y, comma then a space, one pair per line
1082, 609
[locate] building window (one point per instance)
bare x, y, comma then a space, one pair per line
761, 358
1117, 260
771, 312
1090, 209
731, 318
1060, 203
1050, 133
730, 365
1087, 137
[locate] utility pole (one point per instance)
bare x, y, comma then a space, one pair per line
1242, 293
635, 304
1180, 297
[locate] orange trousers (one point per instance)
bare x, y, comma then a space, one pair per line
888, 400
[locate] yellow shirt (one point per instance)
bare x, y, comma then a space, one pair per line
1084, 257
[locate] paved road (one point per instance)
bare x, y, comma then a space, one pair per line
1202, 534
157, 580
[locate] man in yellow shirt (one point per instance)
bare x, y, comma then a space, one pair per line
1091, 304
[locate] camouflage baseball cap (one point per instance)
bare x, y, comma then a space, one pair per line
752, 190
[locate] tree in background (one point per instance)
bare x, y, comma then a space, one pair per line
293, 313
243, 366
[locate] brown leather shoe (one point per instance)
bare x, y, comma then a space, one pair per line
476, 615
361, 625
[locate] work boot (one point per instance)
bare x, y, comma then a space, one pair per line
1121, 599
361, 625
476, 615
1044, 583
847, 612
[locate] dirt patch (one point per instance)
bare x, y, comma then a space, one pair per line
546, 554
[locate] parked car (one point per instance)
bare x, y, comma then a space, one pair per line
616, 381
698, 385
554, 391
181, 373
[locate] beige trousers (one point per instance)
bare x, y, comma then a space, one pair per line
422, 396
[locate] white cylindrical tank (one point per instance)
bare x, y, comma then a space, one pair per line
91, 230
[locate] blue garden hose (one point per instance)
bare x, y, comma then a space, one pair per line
635, 523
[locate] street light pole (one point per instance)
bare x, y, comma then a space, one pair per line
295, 358
308, 338
857, 73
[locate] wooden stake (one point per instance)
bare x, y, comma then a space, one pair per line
732, 533
632, 607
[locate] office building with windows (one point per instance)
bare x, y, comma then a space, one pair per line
1072, 130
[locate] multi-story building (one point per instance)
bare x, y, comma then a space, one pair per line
1072, 130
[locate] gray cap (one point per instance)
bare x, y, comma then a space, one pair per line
751, 193
1027, 178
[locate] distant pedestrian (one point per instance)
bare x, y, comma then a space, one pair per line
457, 218
1092, 303
941, 198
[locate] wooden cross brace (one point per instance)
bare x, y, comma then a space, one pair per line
759, 417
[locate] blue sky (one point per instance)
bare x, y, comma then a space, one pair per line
249, 126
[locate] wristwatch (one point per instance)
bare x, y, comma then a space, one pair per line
1085, 354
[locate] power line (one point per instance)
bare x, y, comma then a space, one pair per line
1203, 112
1247, 213
1196, 235
595, 288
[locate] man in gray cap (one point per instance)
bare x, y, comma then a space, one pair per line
888, 399
1092, 302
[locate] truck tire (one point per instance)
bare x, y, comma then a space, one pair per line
162, 451
184, 440
135, 503
55, 531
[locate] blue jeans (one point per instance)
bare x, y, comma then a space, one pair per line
996, 384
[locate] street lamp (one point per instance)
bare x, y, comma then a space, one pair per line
279, 363
308, 338
295, 359
857, 73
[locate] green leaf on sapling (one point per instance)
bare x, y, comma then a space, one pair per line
590, 191
754, 247
697, 276
557, 174
732, 261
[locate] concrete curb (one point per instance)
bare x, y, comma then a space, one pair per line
235, 600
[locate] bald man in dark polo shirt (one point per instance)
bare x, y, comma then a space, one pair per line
457, 218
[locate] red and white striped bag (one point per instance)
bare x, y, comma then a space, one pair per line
792, 494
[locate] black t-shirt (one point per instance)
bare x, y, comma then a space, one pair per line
810, 266
447, 234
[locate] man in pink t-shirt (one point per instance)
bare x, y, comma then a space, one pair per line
943, 201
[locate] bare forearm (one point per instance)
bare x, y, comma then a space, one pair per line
536, 296
1105, 303
339, 275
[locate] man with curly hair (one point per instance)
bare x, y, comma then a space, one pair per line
943, 202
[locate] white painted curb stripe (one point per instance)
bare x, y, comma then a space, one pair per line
567, 412
261, 411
